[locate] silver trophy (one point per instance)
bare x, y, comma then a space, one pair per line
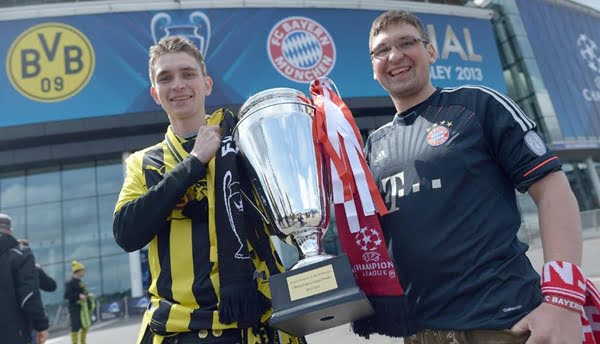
274, 135
275, 139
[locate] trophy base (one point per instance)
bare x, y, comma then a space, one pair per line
317, 297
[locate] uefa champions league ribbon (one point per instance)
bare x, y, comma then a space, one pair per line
357, 201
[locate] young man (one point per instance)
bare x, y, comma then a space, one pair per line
21, 304
173, 200
76, 294
448, 166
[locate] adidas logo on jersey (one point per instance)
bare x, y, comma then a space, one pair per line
380, 157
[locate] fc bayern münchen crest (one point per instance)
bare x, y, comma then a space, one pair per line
438, 135
301, 49
196, 29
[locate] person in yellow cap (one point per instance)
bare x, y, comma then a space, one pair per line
76, 294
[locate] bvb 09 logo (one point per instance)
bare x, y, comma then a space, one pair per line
50, 62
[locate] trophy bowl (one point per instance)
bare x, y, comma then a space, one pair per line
274, 135
275, 138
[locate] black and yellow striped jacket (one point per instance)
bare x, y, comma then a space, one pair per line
182, 252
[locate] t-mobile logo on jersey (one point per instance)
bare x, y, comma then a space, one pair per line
393, 187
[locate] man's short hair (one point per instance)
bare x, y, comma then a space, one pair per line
174, 44
5, 223
393, 17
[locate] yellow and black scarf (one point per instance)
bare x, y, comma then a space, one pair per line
240, 300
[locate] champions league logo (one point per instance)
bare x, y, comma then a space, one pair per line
588, 49
368, 240
197, 29
301, 49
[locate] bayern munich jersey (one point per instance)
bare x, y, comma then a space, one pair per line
447, 170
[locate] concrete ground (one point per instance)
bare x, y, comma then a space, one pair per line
125, 332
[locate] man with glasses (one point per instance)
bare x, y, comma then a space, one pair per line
447, 166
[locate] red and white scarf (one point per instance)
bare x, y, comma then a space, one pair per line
564, 285
357, 201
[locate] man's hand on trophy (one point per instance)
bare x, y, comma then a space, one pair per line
207, 143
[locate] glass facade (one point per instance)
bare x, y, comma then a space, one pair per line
526, 87
579, 178
65, 211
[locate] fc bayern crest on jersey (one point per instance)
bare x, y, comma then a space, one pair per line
438, 135
301, 49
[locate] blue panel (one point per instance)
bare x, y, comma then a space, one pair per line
566, 44
247, 50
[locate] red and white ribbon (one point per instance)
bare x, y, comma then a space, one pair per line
355, 195
591, 316
347, 162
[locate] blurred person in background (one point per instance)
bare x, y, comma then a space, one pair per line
46, 282
78, 302
20, 301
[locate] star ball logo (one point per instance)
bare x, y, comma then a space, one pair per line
301, 49
50, 62
368, 239
589, 51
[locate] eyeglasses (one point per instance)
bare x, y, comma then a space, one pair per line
403, 45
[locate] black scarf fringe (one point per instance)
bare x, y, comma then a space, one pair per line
242, 303
393, 318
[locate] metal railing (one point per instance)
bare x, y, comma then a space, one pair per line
590, 226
